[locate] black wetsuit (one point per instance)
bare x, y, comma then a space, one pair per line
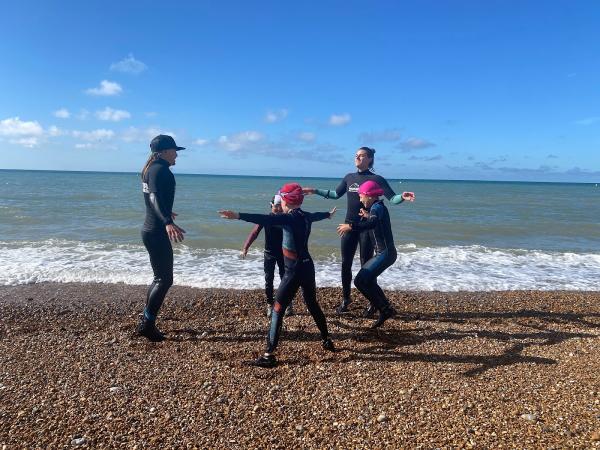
273, 255
158, 186
379, 229
299, 268
349, 185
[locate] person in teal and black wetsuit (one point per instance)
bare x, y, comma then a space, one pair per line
376, 224
364, 160
299, 266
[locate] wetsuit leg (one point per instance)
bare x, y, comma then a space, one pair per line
161, 258
349, 242
281, 266
365, 246
285, 293
269, 265
366, 279
309, 293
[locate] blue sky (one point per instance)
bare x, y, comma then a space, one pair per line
493, 90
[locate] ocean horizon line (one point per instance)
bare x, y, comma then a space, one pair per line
437, 180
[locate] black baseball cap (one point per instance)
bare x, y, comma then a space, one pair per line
163, 142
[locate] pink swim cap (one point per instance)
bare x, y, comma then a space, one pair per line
370, 188
292, 193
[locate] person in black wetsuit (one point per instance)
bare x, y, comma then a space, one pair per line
376, 224
273, 255
158, 186
299, 266
364, 159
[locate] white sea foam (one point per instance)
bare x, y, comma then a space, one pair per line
469, 268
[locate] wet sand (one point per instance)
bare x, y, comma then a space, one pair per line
455, 370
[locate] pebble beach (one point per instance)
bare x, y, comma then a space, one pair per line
510, 369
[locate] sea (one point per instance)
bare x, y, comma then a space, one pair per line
456, 236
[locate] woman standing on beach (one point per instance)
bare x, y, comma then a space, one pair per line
158, 186
299, 266
363, 160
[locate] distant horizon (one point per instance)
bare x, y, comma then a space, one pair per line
304, 177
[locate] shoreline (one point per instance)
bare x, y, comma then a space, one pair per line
499, 369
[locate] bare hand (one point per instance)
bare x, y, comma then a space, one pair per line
363, 213
408, 196
244, 253
332, 212
227, 214
343, 228
175, 233
308, 190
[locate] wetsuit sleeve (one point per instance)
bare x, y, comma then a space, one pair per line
252, 237
266, 219
371, 221
164, 216
315, 217
339, 191
388, 191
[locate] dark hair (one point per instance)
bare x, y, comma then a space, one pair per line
371, 154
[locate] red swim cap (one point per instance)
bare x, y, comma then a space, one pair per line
370, 188
292, 193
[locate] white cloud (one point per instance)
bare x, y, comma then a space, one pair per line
62, 113
55, 131
239, 141
129, 65
307, 136
201, 142
412, 144
94, 135
390, 135
276, 116
106, 88
82, 146
337, 120
588, 121
134, 134
113, 115
29, 142
15, 127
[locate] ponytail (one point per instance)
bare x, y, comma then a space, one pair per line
153, 157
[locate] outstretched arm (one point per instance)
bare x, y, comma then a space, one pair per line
250, 239
328, 193
315, 217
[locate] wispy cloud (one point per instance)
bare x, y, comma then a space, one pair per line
426, 158
338, 120
129, 65
588, 121
106, 88
552, 156
112, 115
276, 116
83, 114
201, 142
134, 134
413, 144
62, 113
306, 136
372, 137
252, 143
98, 135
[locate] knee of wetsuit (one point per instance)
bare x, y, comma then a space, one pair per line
166, 281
